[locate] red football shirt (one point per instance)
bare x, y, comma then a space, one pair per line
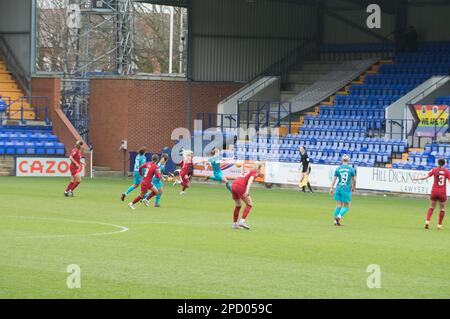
185, 166
440, 175
151, 170
76, 155
243, 179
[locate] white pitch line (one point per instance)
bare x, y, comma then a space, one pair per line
121, 228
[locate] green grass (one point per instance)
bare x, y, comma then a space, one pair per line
187, 249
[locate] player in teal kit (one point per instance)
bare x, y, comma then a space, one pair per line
158, 182
138, 162
345, 175
214, 161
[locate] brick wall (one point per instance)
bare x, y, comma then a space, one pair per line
145, 112
50, 86
108, 118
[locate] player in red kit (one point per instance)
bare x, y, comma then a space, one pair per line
438, 192
240, 189
151, 169
75, 169
186, 170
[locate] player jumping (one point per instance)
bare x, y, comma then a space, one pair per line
438, 192
214, 161
137, 179
240, 189
345, 175
75, 169
157, 182
151, 169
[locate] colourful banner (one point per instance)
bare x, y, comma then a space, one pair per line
228, 166
433, 119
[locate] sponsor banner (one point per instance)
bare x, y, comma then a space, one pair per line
289, 173
429, 115
228, 166
393, 180
44, 167
368, 178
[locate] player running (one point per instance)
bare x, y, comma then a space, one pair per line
151, 169
306, 170
345, 175
157, 182
186, 170
438, 191
214, 161
137, 179
75, 169
240, 189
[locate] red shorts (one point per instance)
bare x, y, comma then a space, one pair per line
438, 197
238, 191
74, 170
145, 186
184, 178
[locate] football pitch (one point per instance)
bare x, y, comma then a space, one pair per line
187, 248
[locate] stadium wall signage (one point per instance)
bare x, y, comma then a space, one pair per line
43, 167
429, 116
368, 178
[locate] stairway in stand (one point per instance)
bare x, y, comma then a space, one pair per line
6, 166
11, 92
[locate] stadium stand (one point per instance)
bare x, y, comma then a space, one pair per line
25, 138
354, 122
29, 140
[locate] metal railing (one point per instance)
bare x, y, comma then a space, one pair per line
283, 66
259, 114
16, 109
215, 120
425, 92
440, 124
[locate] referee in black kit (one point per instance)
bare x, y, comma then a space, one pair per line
306, 170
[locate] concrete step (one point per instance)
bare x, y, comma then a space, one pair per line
287, 95
104, 171
297, 87
102, 168
108, 174
305, 77
324, 66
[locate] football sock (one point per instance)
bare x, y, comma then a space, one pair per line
246, 211
136, 200
310, 188
158, 198
236, 213
441, 216
75, 184
130, 189
337, 210
149, 196
344, 211
69, 187
429, 213
228, 186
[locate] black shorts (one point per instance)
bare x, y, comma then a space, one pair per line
306, 169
